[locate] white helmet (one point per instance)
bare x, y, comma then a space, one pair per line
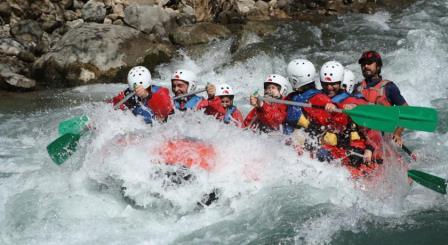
186, 76
300, 72
349, 80
331, 72
139, 75
279, 80
224, 90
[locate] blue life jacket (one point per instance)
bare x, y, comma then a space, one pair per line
155, 88
145, 112
228, 115
340, 97
295, 112
191, 103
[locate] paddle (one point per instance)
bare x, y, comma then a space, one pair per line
64, 146
427, 180
77, 124
371, 116
189, 94
409, 152
417, 118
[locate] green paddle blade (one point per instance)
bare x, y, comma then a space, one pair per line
74, 125
427, 180
377, 117
418, 118
63, 147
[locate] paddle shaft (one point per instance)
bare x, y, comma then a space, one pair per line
287, 102
124, 100
189, 94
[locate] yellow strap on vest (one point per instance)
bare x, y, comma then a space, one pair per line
303, 122
330, 139
354, 136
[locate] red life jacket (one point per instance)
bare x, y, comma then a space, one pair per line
375, 94
160, 102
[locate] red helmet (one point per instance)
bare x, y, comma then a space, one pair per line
369, 57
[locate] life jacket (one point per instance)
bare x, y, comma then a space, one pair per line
294, 113
228, 115
375, 94
145, 112
340, 97
191, 103
344, 133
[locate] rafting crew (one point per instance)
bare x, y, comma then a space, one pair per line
319, 129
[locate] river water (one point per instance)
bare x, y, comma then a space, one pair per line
268, 195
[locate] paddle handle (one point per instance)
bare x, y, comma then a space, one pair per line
189, 94
409, 152
124, 100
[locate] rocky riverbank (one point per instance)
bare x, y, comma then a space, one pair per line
64, 43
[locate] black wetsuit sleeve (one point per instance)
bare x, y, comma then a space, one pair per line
394, 95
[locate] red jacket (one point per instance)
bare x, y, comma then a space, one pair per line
317, 115
159, 101
213, 107
269, 117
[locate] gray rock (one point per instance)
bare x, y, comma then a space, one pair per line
199, 33
245, 6
50, 22
13, 64
107, 21
26, 56
5, 30
70, 15
149, 19
118, 9
184, 19
188, 10
74, 23
97, 53
78, 4
9, 46
66, 4
143, 2
16, 82
27, 32
93, 11
118, 22
263, 7
5, 10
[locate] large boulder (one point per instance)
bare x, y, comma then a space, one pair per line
98, 53
150, 19
199, 34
